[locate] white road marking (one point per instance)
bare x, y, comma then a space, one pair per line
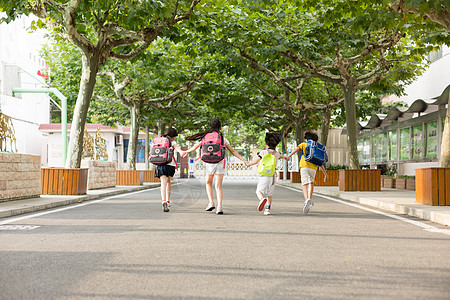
399, 218
18, 227
71, 207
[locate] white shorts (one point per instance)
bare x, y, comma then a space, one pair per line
218, 168
266, 185
307, 175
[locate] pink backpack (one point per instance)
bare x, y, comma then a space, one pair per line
213, 149
161, 152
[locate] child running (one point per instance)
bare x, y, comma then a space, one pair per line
165, 172
308, 172
214, 169
267, 160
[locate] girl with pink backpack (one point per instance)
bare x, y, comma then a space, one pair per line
213, 150
162, 155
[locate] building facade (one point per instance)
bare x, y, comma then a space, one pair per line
20, 66
116, 139
410, 137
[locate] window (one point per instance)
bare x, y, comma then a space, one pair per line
393, 145
140, 150
366, 150
435, 55
432, 142
360, 150
405, 138
417, 142
383, 146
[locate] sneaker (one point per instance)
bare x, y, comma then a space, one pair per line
261, 204
210, 206
307, 206
219, 210
168, 203
267, 211
165, 207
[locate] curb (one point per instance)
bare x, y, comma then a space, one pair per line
50, 203
433, 216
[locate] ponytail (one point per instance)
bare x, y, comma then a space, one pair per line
214, 126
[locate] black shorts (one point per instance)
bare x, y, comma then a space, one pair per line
168, 171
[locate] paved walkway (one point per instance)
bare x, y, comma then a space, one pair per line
393, 200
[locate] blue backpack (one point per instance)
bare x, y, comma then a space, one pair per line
315, 153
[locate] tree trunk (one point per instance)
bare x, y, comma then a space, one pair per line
90, 66
161, 128
134, 132
284, 150
444, 159
146, 147
325, 126
299, 134
350, 116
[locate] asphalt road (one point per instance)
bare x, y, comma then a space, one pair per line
125, 247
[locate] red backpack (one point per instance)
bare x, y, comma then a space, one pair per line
213, 149
161, 152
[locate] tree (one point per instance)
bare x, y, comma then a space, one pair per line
100, 30
436, 11
134, 100
345, 43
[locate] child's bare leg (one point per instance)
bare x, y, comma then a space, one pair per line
310, 190
209, 189
163, 180
305, 191
259, 195
219, 190
168, 188
269, 200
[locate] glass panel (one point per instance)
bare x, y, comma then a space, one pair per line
374, 148
417, 142
393, 145
383, 146
125, 149
366, 150
360, 150
405, 138
140, 151
432, 139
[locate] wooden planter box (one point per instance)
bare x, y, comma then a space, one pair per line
333, 178
129, 177
411, 184
389, 183
61, 181
288, 175
149, 176
295, 177
432, 186
360, 180
400, 183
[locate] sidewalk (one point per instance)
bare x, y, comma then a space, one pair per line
18, 207
393, 200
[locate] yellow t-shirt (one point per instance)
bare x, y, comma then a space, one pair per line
303, 162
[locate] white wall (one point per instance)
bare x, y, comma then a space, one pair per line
20, 48
433, 82
54, 141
